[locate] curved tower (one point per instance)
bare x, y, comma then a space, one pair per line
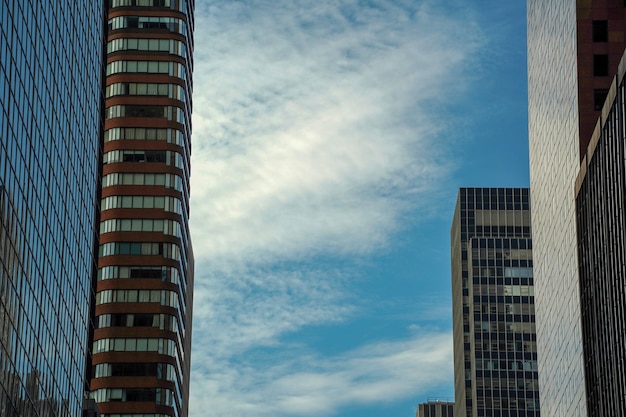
142, 336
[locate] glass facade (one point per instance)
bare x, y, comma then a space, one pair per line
601, 220
495, 352
142, 336
50, 96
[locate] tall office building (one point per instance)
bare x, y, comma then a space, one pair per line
435, 408
601, 221
573, 49
142, 337
50, 122
495, 356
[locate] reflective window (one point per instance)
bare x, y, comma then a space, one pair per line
165, 298
128, 178
171, 24
172, 91
171, 113
167, 250
160, 396
162, 346
160, 370
161, 321
135, 415
166, 203
50, 78
142, 133
172, 4
167, 227
168, 157
171, 46
164, 273
173, 69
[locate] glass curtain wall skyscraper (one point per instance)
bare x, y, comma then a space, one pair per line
142, 336
50, 124
573, 50
495, 355
601, 221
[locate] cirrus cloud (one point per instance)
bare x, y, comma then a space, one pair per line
318, 130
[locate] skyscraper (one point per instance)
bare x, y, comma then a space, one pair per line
142, 340
573, 50
50, 120
435, 408
495, 355
601, 225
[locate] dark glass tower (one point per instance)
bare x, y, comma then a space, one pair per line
50, 121
142, 337
495, 355
601, 225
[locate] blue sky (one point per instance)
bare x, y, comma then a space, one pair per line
330, 139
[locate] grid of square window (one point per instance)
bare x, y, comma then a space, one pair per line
50, 89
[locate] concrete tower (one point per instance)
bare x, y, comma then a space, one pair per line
142, 337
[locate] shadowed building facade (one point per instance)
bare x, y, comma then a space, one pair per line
436, 408
574, 49
495, 356
601, 221
50, 125
142, 336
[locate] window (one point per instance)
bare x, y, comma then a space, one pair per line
173, 69
167, 180
599, 96
170, 46
148, 22
171, 113
131, 133
171, 204
600, 31
600, 65
162, 346
173, 91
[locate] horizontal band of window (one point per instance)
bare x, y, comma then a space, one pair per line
167, 203
172, 4
158, 321
170, 113
173, 91
173, 69
169, 135
163, 297
158, 345
160, 396
172, 24
170, 158
167, 250
139, 178
171, 46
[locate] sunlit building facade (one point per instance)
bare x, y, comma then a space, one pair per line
574, 48
495, 355
142, 336
50, 127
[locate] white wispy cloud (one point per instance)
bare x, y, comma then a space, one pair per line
317, 129
315, 123
310, 384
